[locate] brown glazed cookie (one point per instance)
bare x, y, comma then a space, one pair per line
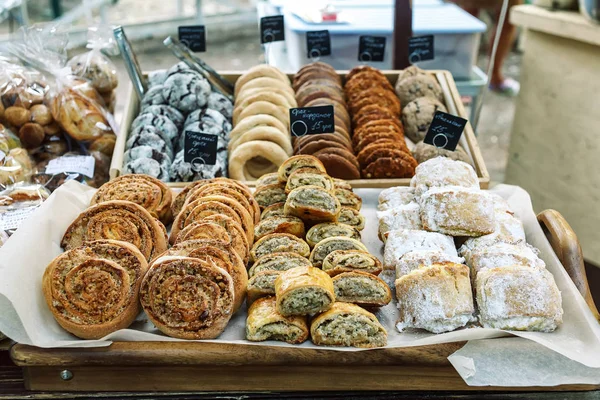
364, 81
335, 137
384, 122
362, 68
368, 139
339, 122
311, 92
313, 75
388, 168
388, 152
339, 129
380, 97
316, 145
340, 152
339, 166
364, 154
362, 132
371, 113
321, 82
338, 108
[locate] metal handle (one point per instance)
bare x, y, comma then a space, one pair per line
565, 244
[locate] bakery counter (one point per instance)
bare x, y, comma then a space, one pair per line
554, 145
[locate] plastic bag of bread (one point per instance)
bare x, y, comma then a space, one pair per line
17, 203
15, 164
97, 68
69, 118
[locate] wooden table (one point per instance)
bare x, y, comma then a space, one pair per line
233, 370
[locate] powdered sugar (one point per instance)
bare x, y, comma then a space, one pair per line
402, 241
395, 197
402, 217
423, 258
442, 171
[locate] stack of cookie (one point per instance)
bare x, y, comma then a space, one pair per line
318, 84
378, 136
260, 140
177, 100
421, 97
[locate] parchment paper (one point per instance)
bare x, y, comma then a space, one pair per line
25, 318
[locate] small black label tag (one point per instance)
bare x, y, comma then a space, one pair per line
200, 148
420, 48
194, 37
312, 120
318, 44
445, 131
272, 29
371, 48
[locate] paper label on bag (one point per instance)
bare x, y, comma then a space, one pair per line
83, 165
13, 219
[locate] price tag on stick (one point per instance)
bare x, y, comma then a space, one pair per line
371, 48
272, 29
193, 37
312, 120
318, 44
200, 148
420, 48
445, 131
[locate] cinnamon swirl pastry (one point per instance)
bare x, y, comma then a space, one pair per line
279, 243
304, 291
92, 290
187, 298
216, 253
117, 220
239, 241
328, 229
144, 190
347, 324
278, 262
266, 323
291, 225
261, 284
312, 203
232, 192
180, 199
326, 246
274, 210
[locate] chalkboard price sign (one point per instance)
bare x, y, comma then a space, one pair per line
445, 131
420, 48
200, 148
312, 120
193, 37
272, 29
371, 48
318, 44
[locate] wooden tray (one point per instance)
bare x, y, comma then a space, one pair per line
451, 96
195, 366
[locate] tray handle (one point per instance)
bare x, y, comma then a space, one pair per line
565, 244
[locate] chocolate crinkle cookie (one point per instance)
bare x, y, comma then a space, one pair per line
206, 115
146, 160
423, 152
161, 123
182, 171
187, 91
167, 111
154, 96
156, 78
220, 103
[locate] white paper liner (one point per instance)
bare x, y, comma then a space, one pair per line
25, 318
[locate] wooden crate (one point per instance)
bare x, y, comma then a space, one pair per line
198, 366
451, 96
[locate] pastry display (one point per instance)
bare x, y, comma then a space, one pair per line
119, 220
143, 190
187, 298
180, 101
265, 322
92, 289
361, 288
437, 298
304, 291
378, 136
318, 84
346, 324
260, 139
